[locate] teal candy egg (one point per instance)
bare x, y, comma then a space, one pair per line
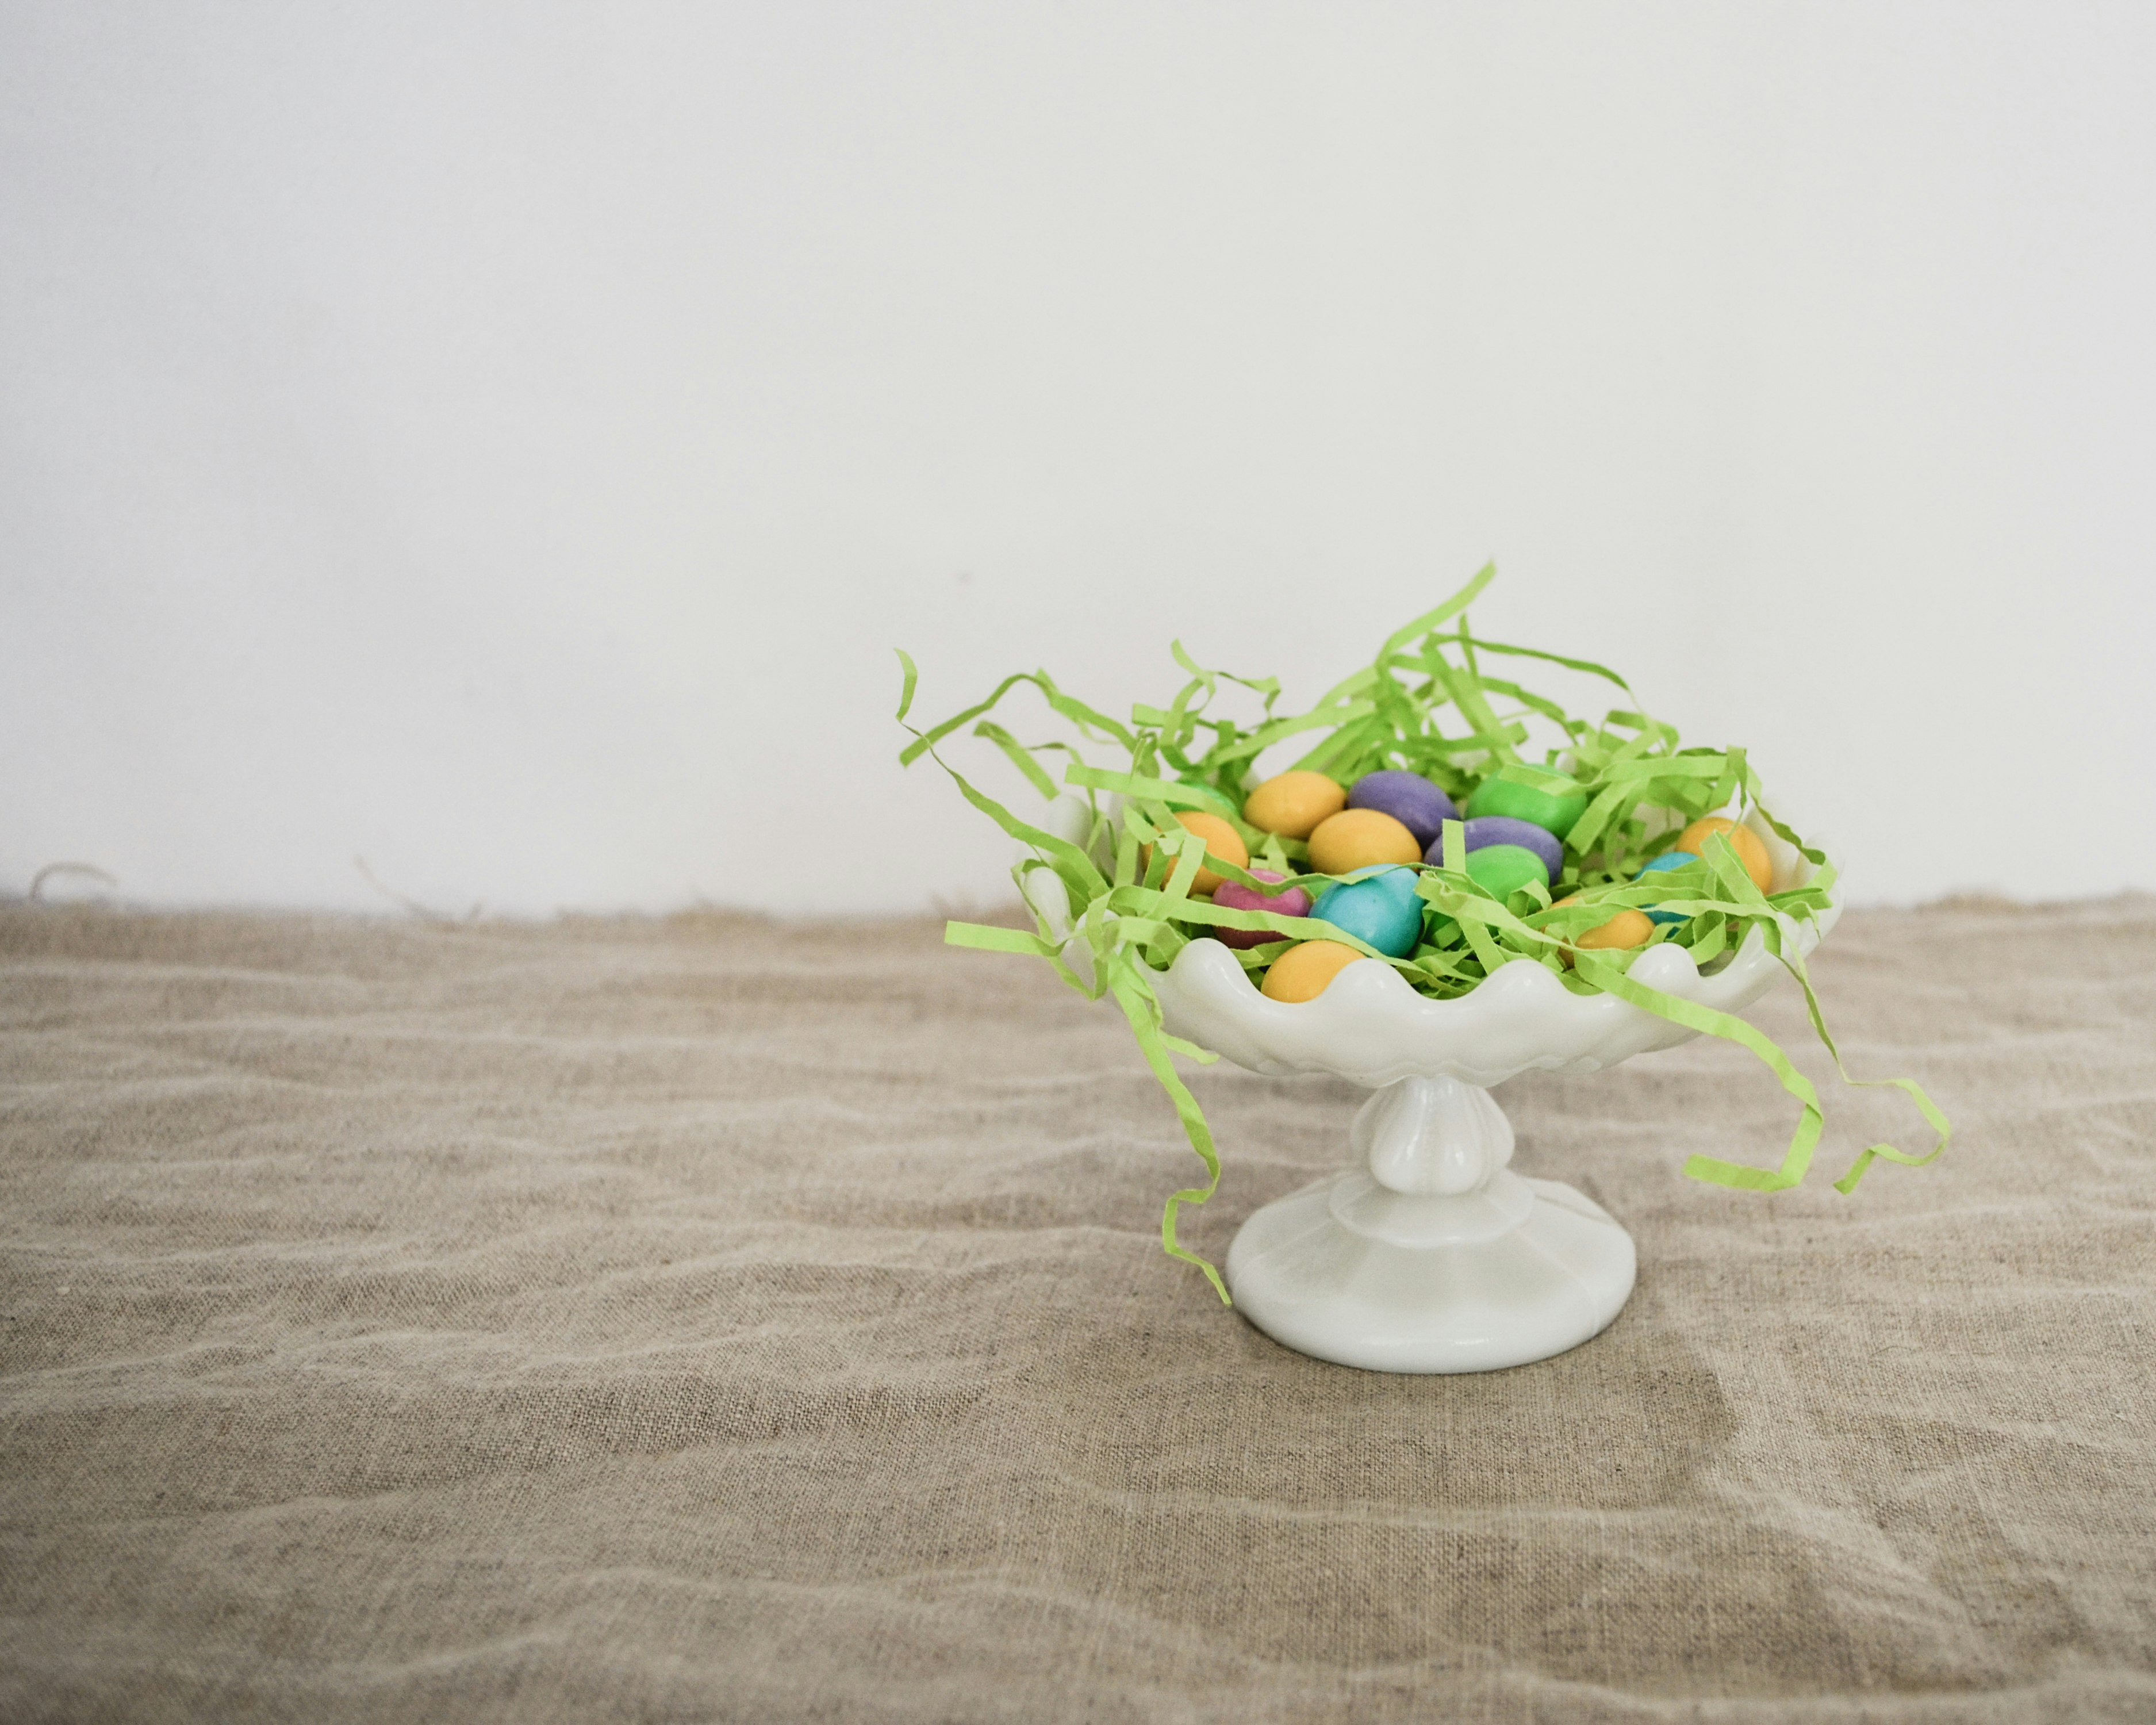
1377, 905
1502, 869
1661, 864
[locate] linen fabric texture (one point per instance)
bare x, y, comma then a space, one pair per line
712, 1318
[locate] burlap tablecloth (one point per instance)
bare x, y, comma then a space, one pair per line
712, 1319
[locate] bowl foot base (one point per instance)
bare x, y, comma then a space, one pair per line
1310, 1273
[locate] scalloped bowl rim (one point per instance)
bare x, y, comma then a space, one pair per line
1372, 1027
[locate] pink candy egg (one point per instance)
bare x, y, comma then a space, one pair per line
1233, 896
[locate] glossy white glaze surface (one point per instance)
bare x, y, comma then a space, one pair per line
1431, 1255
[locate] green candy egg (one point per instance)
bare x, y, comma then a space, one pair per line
1216, 801
1502, 869
1522, 802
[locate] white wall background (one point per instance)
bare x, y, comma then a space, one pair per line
504, 441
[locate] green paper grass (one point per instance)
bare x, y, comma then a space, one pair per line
1434, 703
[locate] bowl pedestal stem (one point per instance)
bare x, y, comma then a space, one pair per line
1431, 1255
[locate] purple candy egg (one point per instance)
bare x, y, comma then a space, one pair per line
1233, 896
1503, 829
1409, 799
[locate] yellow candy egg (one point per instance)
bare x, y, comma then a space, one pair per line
1294, 804
1221, 841
1304, 972
1361, 839
1625, 929
1743, 841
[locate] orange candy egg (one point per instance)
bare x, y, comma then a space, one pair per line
1221, 841
1304, 972
1293, 804
1745, 843
1625, 929
1361, 839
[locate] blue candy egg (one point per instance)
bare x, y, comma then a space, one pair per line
1661, 864
1377, 905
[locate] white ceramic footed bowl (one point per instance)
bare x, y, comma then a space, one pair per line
1431, 1255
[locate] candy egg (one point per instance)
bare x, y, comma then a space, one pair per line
1662, 865
1553, 814
1409, 799
1360, 839
1233, 896
1743, 841
1294, 804
1502, 869
1503, 829
1304, 972
1379, 908
1216, 801
1625, 929
1221, 841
